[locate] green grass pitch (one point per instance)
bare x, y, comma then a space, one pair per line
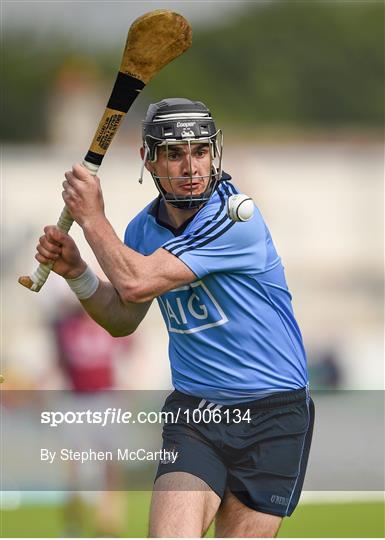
355, 520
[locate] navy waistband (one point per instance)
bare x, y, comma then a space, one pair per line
277, 399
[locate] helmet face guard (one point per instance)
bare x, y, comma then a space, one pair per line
174, 122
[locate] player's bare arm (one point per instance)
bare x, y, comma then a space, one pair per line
136, 277
105, 306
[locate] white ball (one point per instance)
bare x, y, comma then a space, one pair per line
240, 207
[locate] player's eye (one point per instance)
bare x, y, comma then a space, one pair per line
201, 152
172, 156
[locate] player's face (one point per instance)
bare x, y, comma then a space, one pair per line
183, 173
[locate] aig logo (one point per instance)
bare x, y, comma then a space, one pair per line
191, 308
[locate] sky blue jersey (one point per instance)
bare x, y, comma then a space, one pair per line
233, 336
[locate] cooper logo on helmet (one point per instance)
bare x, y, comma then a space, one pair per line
185, 124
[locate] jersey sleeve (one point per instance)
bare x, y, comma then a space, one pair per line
218, 244
133, 236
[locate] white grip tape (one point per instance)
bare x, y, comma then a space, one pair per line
39, 277
65, 220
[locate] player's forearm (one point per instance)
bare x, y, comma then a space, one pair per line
107, 309
126, 269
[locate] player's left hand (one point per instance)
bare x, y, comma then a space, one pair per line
83, 195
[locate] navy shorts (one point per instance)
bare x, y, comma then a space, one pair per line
258, 450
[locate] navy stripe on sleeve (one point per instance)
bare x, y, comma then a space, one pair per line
195, 236
208, 240
205, 224
194, 243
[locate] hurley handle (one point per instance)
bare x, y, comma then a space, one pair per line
153, 41
35, 281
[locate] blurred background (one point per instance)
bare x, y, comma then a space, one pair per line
297, 88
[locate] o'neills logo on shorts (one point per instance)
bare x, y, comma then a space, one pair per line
277, 499
185, 124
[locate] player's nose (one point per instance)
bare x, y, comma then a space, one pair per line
189, 165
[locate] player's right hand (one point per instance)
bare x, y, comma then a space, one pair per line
58, 247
